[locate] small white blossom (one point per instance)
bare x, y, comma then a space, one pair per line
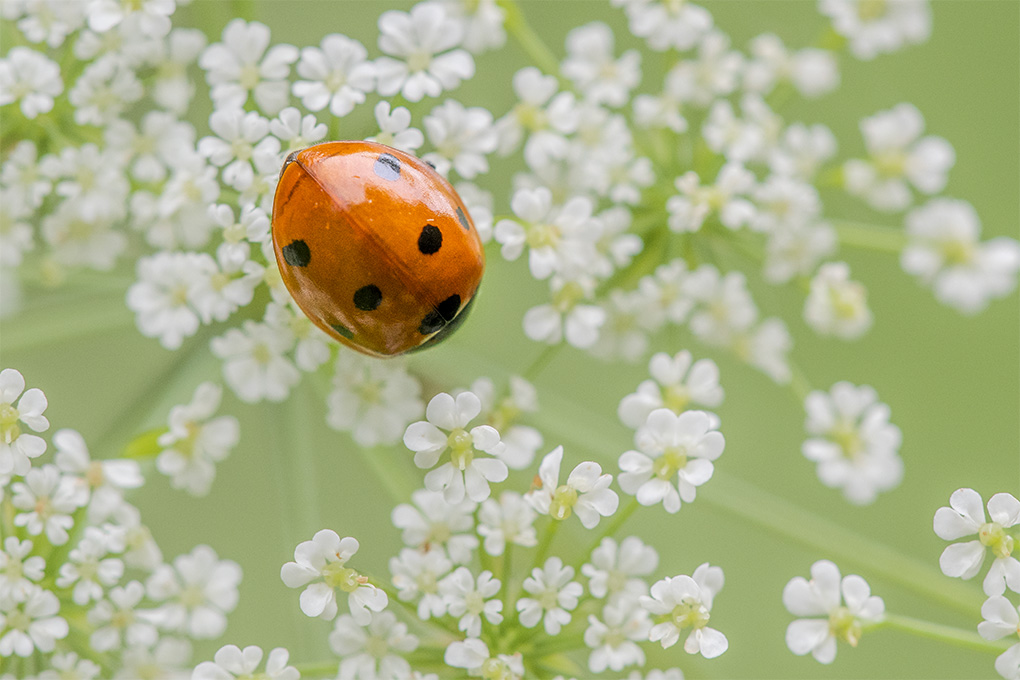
19, 568
686, 602
196, 593
416, 575
466, 473
586, 493
812, 71
161, 296
677, 383
836, 305
47, 500
619, 567
1002, 619
554, 596
590, 65
395, 128
433, 522
613, 639
254, 363
726, 198
241, 65
372, 400
944, 252
472, 654
567, 315
17, 446
471, 599
103, 91
320, 564
823, 597
30, 77
511, 520
89, 568
195, 441
875, 28
853, 442
117, 621
30, 623
965, 517
336, 74
423, 43
667, 25
462, 138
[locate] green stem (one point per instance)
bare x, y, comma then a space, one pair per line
540, 362
543, 547
517, 26
937, 631
799, 383
304, 452
317, 670
73, 322
870, 236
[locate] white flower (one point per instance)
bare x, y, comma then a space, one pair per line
238, 134
160, 296
521, 441
241, 65
18, 568
89, 569
812, 71
966, 517
713, 75
784, 203
945, 253
50, 21
372, 649
802, 150
795, 250
560, 239
254, 363
30, 623
462, 137
195, 441
483, 23
543, 112
196, 593
68, 665
297, 131
624, 334
174, 88
618, 568
466, 474
511, 520
104, 478
586, 493
875, 28
665, 24
667, 294
432, 522
673, 447
686, 602
16, 446
30, 77
423, 42
823, 596
471, 599
170, 656
566, 316
103, 91
337, 75
854, 444
898, 154
47, 500
394, 128
232, 662
766, 347
724, 305
677, 383
321, 565
590, 65
696, 202
1002, 619
837, 305
115, 621
613, 640
555, 595
416, 574
373, 400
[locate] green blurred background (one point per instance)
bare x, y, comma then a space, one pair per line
951, 381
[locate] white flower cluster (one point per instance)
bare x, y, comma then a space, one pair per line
461, 579
78, 568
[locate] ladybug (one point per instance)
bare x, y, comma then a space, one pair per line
375, 246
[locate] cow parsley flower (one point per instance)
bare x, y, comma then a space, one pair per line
423, 43
677, 383
196, 593
335, 74
613, 638
667, 25
17, 446
836, 305
47, 500
432, 522
617, 568
466, 474
554, 595
395, 128
31, 78
853, 442
241, 66
320, 564
19, 568
1002, 619
471, 599
233, 662
372, 649
681, 602
875, 28
676, 449
462, 138
195, 441
254, 364
830, 620
697, 202
30, 623
586, 493
965, 517
508, 521
416, 575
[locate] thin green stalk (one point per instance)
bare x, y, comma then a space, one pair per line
507, 575
799, 383
317, 670
303, 452
72, 322
541, 361
543, 547
870, 236
937, 631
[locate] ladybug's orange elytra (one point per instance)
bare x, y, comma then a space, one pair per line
375, 246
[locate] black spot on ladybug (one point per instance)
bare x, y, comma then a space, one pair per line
448, 328
342, 330
462, 218
367, 298
387, 167
444, 313
430, 240
297, 254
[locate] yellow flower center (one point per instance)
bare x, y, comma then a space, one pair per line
995, 537
690, 614
844, 626
564, 499
672, 460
